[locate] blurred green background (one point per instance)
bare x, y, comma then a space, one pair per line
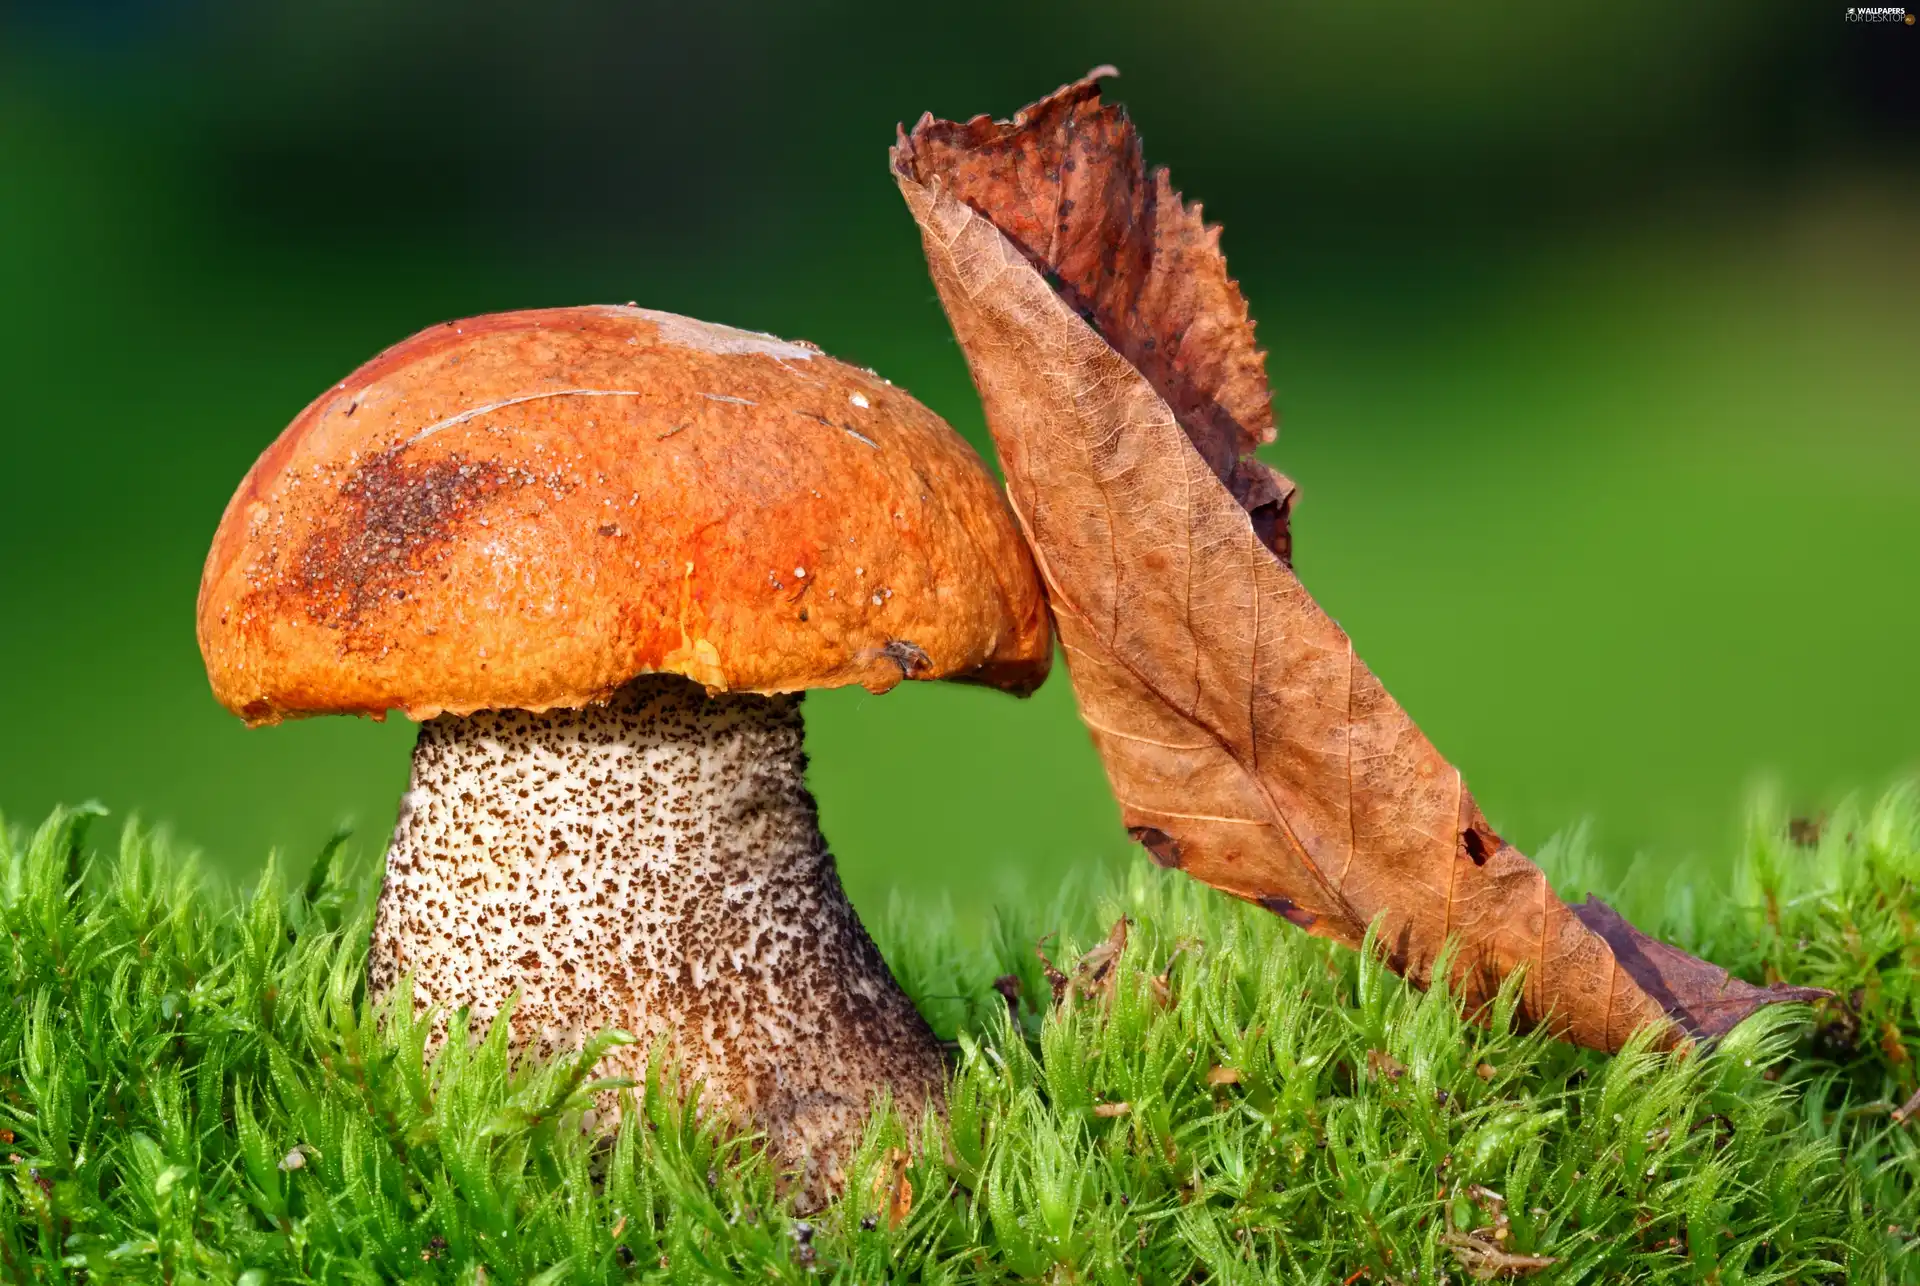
1594, 335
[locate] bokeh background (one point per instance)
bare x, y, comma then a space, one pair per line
1595, 329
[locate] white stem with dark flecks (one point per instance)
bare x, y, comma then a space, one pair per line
654, 863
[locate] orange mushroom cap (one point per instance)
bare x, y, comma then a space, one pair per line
527, 510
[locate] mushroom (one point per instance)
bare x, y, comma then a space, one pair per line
599, 554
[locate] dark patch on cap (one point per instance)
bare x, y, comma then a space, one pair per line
396, 517
912, 659
1162, 847
1286, 910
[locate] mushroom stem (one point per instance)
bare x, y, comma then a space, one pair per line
654, 863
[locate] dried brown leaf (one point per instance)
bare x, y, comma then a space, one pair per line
1485, 1261
1094, 974
1247, 743
1057, 982
1382, 1066
892, 1188
1483, 1251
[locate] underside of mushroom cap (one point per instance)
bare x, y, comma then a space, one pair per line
527, 510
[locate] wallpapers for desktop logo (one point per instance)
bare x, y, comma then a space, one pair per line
1880, 13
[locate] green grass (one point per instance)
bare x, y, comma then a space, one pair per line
193, 1088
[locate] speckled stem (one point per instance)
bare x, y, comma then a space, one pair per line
656, 864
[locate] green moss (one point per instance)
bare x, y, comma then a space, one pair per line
196, 1090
